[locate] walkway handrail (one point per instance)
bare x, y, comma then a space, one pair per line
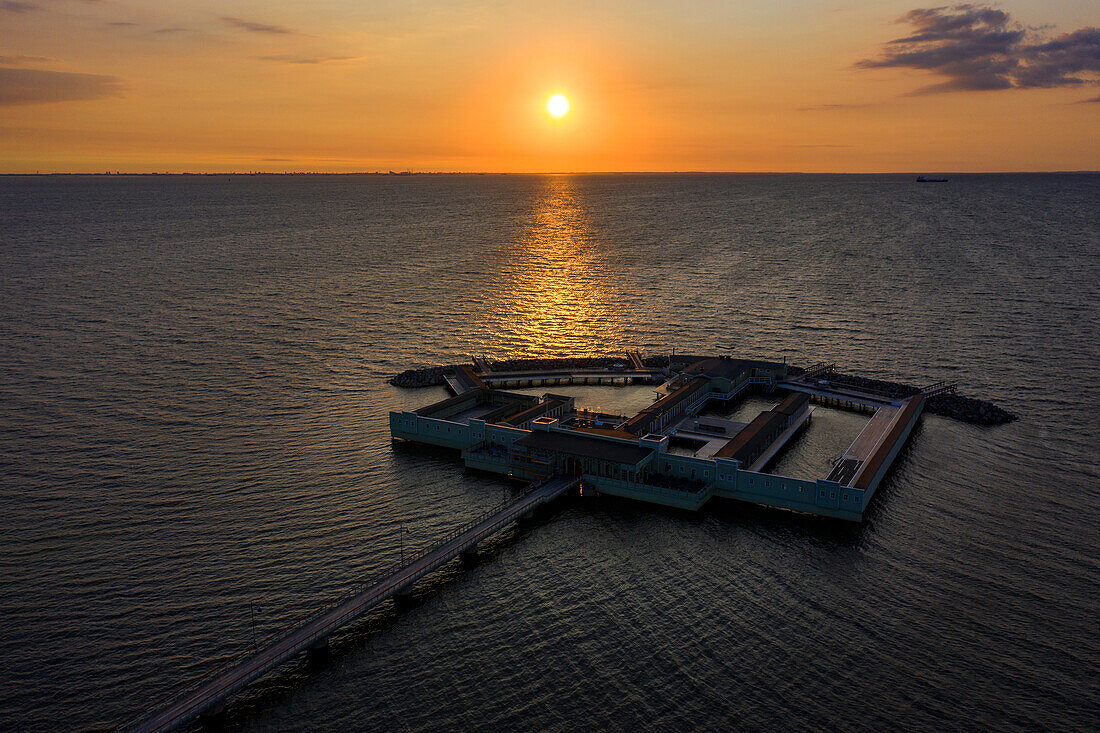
377, 578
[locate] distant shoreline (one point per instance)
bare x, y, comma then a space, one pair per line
406, 174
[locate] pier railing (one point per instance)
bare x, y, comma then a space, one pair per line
939, 388
819, 368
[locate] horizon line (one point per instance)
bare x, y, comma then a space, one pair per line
408, 173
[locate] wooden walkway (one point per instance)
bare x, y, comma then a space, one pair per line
210, 690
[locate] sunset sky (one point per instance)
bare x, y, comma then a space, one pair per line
738, 85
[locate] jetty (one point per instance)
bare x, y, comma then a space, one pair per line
672, 453
204, 695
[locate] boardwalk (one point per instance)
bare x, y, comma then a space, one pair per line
209, 691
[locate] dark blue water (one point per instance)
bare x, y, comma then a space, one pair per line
194, 419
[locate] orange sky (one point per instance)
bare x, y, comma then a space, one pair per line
349, 85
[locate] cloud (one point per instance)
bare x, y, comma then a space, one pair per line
1061, 61
818, 146
289, 59
165, 31
16, 6
21, 60
121, 24
37, 86
831, 107
257, 27
980, 48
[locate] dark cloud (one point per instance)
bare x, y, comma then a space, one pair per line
1061, 61
165, 31
978, 47
288, 59
817, 146
37, 86
257, 27
121, 24
16, 6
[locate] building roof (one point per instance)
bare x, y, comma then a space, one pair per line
585, 445
536, 410
793, 403
758, 434
479, 397
640, 422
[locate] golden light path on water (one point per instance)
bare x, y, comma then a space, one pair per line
555, 293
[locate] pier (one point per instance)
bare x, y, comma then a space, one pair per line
207, 693
667, 454
557, 378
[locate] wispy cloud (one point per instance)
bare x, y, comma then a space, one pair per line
22, 60
38, 86
165, 31
249, 25
17, 6
831, 107
981, 48
121, 24
290, 59
818, 146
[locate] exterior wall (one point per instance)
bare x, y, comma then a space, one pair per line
483, 461
433, 431
826, 498
652, 494
498, 434
448, 434
685, 467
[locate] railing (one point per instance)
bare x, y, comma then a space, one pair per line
939, 388
819, 368
394, 586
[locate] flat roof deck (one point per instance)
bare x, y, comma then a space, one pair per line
475, 412
694, 428
872, 433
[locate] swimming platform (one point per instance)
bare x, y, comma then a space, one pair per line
667, 454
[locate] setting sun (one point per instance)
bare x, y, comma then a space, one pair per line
557, 105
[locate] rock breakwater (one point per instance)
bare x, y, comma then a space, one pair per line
955, 406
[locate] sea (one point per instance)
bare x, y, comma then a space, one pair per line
194, 450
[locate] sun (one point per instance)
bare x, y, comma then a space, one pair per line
557, 106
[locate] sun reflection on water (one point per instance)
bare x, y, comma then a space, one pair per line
554, 294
